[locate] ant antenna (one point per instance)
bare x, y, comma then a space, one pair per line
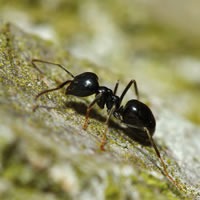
51, 63
53, 89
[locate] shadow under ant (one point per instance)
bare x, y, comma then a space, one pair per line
79, 107
133, 133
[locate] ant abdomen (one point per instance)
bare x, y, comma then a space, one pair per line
137, 115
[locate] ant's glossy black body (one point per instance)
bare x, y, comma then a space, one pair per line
135, 114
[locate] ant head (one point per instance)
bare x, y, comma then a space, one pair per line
84, 84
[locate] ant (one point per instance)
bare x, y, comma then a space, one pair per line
135, 114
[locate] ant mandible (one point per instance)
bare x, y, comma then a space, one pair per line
135, 114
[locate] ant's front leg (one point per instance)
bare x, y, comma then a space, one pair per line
89, 108
104, 138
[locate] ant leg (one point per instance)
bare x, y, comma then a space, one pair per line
89, 109
33, 61
53, 89
161, 160
116, 87
127, 88
104, 138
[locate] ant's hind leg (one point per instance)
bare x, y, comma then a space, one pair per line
161, 160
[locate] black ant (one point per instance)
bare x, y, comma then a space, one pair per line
135, 114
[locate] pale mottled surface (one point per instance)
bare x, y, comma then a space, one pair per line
46, 154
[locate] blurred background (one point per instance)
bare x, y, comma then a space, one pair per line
155, 42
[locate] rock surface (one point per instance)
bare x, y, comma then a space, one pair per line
47, 155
